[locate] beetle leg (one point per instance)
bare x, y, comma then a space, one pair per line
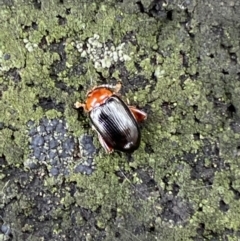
138, 114
79, 105
107, 148
118, 87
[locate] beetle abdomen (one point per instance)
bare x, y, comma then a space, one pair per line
117, 126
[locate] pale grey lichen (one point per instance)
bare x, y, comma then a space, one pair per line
29, 46
101, 55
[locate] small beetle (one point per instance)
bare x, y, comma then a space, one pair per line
115, 122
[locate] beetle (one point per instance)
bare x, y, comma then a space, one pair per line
115, 122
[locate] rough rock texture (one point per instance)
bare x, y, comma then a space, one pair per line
177, 60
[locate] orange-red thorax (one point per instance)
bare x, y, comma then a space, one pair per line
97, 97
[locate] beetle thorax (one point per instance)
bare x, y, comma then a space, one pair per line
97, 97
